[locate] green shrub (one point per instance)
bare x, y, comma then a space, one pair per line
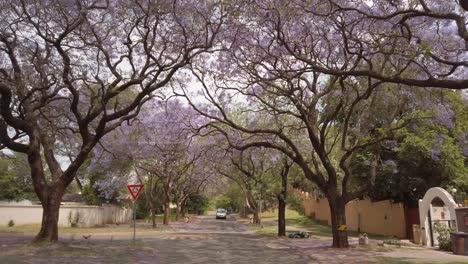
73, 219
295, 202
221, 201
90, 195
11, 223
445, 242
393, 242
143, 209
196, 203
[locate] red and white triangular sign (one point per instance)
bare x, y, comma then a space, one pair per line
135, 190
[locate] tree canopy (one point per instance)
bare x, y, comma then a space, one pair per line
347, 90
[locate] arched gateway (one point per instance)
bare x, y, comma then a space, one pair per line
429, 213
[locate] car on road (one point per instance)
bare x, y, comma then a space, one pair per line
221, 213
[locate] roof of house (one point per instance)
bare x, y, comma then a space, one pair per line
72, 198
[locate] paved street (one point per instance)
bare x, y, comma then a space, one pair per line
208, 240
221, 241
205, 240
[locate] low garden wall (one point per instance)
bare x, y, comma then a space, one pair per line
365, 216
78, 215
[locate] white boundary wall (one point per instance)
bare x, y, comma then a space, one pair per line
87, 216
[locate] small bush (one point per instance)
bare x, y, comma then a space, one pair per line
197, 203
11, 223
445, 242
296, 203
90, 195
73, 219
394, 242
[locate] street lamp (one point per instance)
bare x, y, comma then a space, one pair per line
454, 193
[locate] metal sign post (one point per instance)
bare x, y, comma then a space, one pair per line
134, 220
135, 190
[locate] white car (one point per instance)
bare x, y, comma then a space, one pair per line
221, 213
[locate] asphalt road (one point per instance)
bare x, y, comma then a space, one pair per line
205, 240
221, 241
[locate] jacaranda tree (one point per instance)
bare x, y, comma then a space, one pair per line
79, 69
340, 73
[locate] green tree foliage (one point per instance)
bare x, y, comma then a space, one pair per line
430, 152
197, 203
295, 202
9, 190
89, 193
143, 209
15, 182
237, 197
221, 201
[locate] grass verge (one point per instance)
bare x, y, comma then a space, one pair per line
296, 222
121, 228
75, 252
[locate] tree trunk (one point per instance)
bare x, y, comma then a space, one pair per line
182, 208
242, 212
50, 217
153, 215
167, 214
464, 4
338, 217
281, 216
256, 217
253, 205
177, 216
167, 211
282, 203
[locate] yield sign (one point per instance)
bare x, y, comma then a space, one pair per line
135, 190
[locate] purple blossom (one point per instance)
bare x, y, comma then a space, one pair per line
444, 116
110, 186
392, 143
463, 139
392, 164
440, 139
465, 151
435, 153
